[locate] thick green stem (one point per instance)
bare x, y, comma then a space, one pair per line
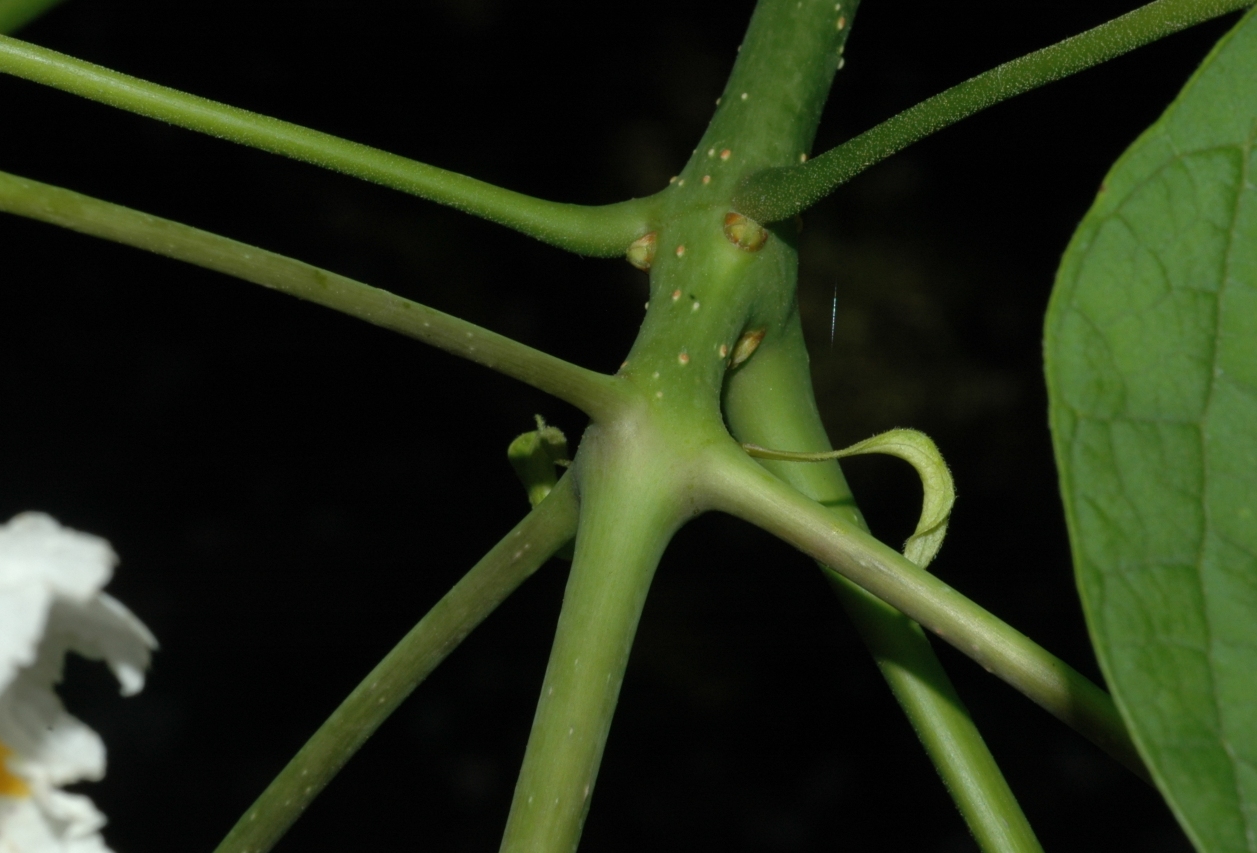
772, 103
15, 14
520, 553
741, 487
605, 231
778, 194
596, 394
770, 400
628, 514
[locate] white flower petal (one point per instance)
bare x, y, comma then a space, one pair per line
51, 747
23, 612
35, 547
67, 823
51, 603
103, 629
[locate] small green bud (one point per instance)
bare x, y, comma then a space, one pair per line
534, 456
641, 252
744, 232
746, 345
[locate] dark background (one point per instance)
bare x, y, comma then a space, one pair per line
289, 490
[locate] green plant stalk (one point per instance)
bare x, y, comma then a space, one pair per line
593, 392
634, 471
626, 520
603, 230
508, 564
14, 14
779, 373
774, 195
658, 451
738, 485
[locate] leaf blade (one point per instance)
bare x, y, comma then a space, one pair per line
1151, 349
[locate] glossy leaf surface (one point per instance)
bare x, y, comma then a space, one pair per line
1151, 347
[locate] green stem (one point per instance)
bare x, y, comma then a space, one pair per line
738, 485
777, 194
941, 721
899, 647
605, 231
595, 393
14, 14
520, 553
627, 518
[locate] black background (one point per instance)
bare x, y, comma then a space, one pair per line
289, 489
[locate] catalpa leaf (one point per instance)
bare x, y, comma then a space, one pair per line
1151, 347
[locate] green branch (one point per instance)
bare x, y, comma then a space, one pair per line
626, 521
902, 652
598, 395
520, 553
741, 487
604, 231
941, 721
15, 14
776, 194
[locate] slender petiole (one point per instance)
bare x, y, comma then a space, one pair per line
520, 553
596, 394
777, 194
604, 231
741, 487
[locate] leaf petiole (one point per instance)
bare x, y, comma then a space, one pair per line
605, 231
776, 194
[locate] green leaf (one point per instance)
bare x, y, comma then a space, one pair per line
1151, 347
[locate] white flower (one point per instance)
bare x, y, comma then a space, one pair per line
50, 603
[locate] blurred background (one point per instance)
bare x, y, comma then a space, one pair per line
290, 490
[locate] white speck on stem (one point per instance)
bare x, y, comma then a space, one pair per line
655, 375
745, 96
676, 294
659, 394
711, 152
